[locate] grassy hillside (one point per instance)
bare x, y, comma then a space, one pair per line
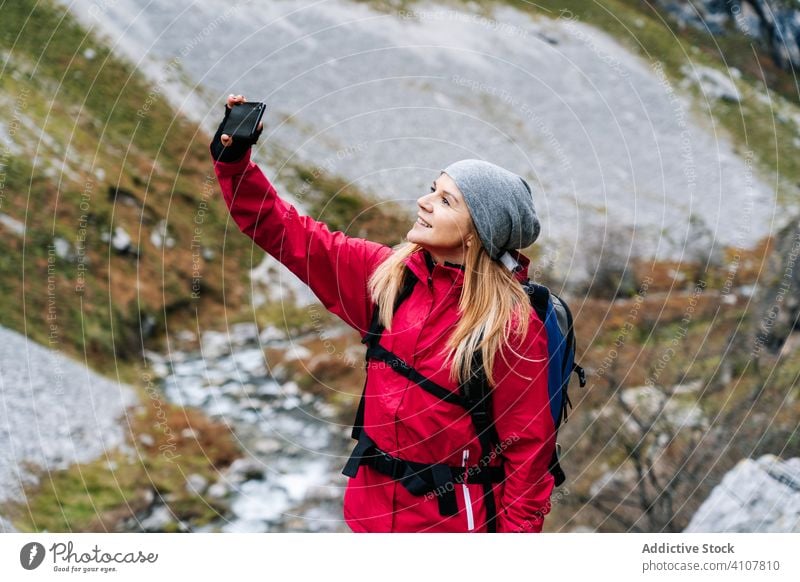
89, 160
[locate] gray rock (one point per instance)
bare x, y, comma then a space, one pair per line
778, 294
196, 484
269, 389
714, 83
12, 224
267, 446
754, 496
158, 519
286, 468
646, 125
160, 236
121, 241
186, 336
616, 479
250, 361
188, 390
271, 334
215, 344
62, 248
158, 364
189, 433
245, 469
224, 408
246, 526
55, 412
146, 439
218, 490
774, 23
677, 412
244, 333
260, 501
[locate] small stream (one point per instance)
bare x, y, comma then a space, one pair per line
290, 477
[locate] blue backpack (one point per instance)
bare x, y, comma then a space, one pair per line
557, 318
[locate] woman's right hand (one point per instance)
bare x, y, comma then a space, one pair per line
232, 101
222, 146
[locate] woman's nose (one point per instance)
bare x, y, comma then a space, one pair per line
423, 202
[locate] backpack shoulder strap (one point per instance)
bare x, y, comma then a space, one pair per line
477, 397
539, 296
375, 328
373, 336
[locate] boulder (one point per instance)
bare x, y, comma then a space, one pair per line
754, 496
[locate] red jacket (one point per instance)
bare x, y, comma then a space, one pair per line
403, 419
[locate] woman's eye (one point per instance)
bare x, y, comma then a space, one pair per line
443, 198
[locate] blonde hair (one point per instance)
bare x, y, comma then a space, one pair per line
491, 300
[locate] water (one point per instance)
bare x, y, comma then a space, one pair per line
290, 476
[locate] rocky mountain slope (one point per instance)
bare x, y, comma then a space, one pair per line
386, 96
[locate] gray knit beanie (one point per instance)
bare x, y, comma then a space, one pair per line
501, 205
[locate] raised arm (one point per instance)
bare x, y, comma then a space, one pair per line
335, 266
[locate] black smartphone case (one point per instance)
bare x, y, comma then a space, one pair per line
243, 120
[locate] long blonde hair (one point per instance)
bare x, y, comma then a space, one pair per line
491, 300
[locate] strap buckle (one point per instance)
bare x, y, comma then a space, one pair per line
480, 417
581, 375
393, 463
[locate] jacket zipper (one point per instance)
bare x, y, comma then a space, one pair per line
465, 489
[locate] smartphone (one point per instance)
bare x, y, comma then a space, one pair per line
243, 119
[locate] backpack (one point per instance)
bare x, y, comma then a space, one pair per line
475, 396
561, 345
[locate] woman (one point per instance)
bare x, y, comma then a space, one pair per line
421, 464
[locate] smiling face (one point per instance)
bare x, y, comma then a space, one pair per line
443, 226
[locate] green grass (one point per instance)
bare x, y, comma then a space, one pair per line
54, 47
94, 106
